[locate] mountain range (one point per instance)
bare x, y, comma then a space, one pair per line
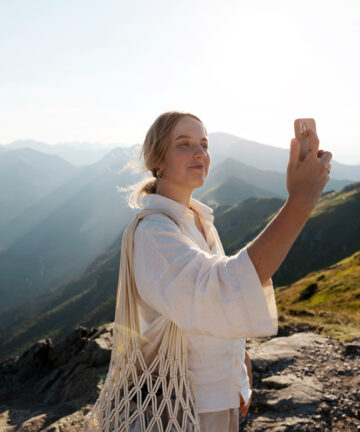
61, 228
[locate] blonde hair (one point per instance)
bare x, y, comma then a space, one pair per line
154, 148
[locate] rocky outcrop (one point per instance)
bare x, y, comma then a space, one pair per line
49, 386
301, 382
304, 382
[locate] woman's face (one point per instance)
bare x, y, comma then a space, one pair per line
188, 148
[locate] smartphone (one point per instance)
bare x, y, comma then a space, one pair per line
302, 126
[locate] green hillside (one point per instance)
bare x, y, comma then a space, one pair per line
239, 223
233, 191
88, 300
328, 300
330, 234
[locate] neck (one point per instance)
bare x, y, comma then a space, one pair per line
180, 195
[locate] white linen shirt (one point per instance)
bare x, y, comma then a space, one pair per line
217, 299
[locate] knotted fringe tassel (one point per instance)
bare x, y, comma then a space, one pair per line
135, 396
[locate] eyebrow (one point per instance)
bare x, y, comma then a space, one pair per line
187, 136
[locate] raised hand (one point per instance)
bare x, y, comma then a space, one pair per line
306, 179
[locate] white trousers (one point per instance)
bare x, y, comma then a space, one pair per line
220, 421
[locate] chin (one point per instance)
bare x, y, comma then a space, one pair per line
198, 183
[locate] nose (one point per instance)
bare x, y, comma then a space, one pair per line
200, 150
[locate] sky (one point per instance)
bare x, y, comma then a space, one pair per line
102, 71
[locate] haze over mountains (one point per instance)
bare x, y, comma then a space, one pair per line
61, 226
221, 146
77, 153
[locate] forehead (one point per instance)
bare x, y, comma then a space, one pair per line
189, 126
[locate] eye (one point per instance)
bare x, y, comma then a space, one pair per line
186, 143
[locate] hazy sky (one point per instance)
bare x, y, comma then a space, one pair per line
102, 71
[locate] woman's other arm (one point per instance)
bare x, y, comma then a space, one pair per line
305, 182
243, 409
248, 367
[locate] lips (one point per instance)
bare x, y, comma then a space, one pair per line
198, 166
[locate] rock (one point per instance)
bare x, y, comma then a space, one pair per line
279, 381
303, 395
297, 385
301, 382
351, 349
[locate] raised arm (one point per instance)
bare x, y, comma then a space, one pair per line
305, 182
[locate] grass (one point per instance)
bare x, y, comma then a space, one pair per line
328, 299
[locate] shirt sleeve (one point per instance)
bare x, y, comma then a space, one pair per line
214, 295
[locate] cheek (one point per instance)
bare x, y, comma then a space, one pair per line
182, 157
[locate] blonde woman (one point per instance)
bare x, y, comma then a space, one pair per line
219, 300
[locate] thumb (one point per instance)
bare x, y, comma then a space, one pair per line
294, 152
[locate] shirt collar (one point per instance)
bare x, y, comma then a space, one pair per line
179, 209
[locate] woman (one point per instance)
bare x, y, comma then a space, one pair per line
220, 300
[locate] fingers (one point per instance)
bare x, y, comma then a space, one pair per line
294, 153
313, 144
325, 159
323, 156
244, 408
321, 152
